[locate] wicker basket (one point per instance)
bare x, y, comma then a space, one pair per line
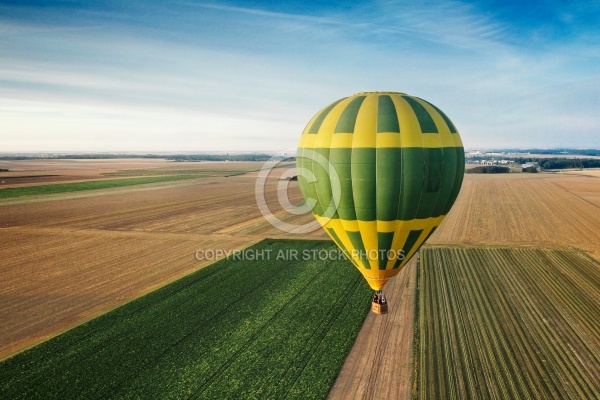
379, 308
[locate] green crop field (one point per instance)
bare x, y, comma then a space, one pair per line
263, 328
89, 185
507, 323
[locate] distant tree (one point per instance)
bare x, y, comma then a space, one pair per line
530, 169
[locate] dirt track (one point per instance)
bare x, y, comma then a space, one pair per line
379, 365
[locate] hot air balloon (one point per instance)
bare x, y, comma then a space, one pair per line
380, 170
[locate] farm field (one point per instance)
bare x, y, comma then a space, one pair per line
88, 185
593, 172
71, 256
55, 278
525, 209
35, 172
259, 328
504, 322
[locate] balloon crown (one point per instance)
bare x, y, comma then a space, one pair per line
380, 92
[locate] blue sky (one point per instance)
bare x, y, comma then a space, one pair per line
248, 75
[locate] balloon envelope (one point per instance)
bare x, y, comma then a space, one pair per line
380, 170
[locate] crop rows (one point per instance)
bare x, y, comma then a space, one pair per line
504, 323
236, 329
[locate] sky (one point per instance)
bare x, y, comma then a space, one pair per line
193, 76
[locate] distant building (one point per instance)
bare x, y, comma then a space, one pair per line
531, 167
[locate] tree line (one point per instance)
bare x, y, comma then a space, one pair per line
561, 163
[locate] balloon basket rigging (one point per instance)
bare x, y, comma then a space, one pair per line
379, 304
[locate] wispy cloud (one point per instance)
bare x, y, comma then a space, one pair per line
269, 14
200, 71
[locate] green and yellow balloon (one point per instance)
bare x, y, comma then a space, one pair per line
380, 170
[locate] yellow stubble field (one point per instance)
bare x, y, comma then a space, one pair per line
525, 209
